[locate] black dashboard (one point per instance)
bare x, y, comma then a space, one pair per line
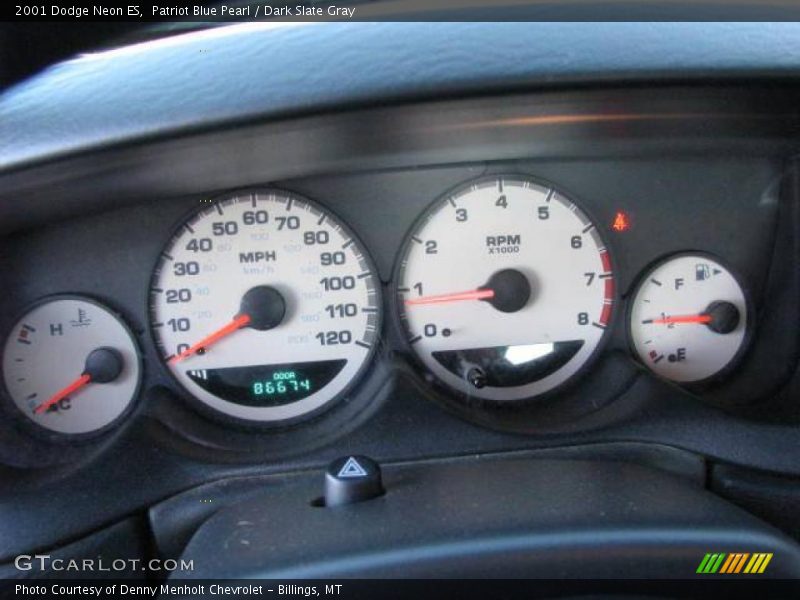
261, 277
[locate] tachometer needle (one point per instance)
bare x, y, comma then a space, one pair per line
508, 291
238, 322
701, 318
480, 294
61, 394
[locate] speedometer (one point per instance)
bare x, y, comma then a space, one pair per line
265, 307
505, 288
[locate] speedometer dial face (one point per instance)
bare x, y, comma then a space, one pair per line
505, 289
265, 307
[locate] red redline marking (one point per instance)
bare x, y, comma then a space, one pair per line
609, 289
457, 297
237, 323
606, 260
605, 316
63, 393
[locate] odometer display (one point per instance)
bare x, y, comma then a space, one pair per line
505, 288
268, 385
264, 306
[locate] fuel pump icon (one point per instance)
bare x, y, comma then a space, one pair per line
701, 272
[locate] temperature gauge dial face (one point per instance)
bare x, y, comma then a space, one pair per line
71, 366
689, 318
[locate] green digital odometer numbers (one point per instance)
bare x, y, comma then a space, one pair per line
282, 383
268, 385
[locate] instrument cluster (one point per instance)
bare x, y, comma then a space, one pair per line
265, 310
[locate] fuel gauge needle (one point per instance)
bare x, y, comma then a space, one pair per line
237, 323
701, 318
720, 317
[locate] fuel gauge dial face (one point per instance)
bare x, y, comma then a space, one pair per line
71, 366
689, 318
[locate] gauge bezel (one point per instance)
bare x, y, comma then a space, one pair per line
719, 376
227, 419
471, 402
42, 433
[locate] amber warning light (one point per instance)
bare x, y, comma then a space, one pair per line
622, 222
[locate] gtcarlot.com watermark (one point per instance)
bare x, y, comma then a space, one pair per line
44, 562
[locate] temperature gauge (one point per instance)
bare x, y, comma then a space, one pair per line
689, 318
71, 366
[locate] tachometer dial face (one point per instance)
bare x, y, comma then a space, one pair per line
505, 289
265, 307
688, 320
71, 366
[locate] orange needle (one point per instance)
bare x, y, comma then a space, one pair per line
683, 319
237, 323
60, 395
443, 298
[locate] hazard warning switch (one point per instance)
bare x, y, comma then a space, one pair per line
352, 479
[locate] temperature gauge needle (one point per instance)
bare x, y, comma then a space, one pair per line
701, 318
73, 387
237, 323
480, 294
103, 365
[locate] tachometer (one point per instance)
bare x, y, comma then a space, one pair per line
505, 288
265, 306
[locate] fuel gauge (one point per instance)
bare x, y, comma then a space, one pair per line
71, 366
689, 318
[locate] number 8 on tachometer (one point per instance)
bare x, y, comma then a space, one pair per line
505, 288
265, 307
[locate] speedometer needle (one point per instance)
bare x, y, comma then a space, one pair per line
237, 323
261, 308
479, 294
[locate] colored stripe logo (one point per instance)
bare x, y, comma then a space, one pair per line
734, 563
